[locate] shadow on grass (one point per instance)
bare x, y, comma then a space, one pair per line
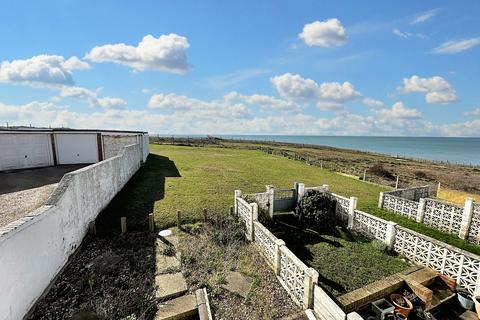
301, 239
137, 198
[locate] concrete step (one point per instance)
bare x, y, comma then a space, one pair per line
165, 264
170, 285
184, 307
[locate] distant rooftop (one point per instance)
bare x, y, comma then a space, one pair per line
44, 129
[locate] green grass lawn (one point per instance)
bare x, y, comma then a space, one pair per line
358, 260
192, 178
209, 177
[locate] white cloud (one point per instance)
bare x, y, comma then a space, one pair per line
264, 101
75, 63
92, 97
172, 101
373, 103
425, 16
165, 53
456, 46
397, 120
294, 87
474, 112
335, 91
436, 89
400, 33
327, 95
41, 70
404, 34
328, 33
399, 111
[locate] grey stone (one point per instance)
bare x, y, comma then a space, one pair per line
170, 285
182, 307
238, 283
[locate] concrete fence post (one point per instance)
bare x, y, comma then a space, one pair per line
380, 200
351, 211
238, 194
295, 187
390, 237
271, 199
311, 278
421, 210
466, 218
277, 263
301, 191
253, 218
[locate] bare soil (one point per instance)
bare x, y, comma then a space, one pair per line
108, 278
210, 253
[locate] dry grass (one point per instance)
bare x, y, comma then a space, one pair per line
456, 196
209, 253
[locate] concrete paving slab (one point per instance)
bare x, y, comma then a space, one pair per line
165, 264
170, 285
238, 283
182, 307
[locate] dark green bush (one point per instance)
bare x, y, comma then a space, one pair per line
317, 209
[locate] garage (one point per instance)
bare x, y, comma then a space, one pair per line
23, 150
73, 148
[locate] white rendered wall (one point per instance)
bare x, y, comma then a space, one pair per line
113, 143
20, 150
34, 249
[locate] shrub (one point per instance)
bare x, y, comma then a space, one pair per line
380, 171
227, 231
420, 174
317, 209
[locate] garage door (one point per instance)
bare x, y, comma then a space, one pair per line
25, 150
76, 148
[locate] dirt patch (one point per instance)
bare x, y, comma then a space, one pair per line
16, 205
210, 254
108, 278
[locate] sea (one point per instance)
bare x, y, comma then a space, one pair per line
446, 149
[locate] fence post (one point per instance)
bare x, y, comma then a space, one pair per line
311, 278
301, 191
151, 222
238, 194
380, 200
351, 211
123, 224
253, 218
271, 200
277, 263
466, 218
421, 210
396, 183
390, 237
364, 174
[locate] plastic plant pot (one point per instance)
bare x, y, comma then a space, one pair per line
465, 300
381, 308
400, 316
402, 304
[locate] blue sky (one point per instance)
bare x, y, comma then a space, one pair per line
246, 67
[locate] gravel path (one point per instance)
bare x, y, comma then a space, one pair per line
18, 204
